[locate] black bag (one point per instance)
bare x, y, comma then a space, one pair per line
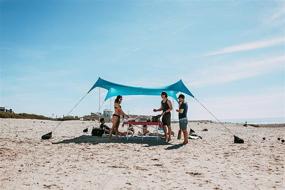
155, 118
47, 136
238, 140
97, 132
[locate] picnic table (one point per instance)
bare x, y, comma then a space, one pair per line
156, 124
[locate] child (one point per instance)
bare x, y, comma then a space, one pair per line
104, 127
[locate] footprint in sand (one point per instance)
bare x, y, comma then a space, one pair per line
194, 173
50, 186
140, 168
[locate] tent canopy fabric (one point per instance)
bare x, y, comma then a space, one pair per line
118, 89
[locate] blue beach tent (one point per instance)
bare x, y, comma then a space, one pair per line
115, 89
118, 89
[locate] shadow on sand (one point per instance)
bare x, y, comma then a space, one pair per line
175, 146
148, 141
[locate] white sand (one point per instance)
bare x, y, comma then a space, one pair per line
214, 162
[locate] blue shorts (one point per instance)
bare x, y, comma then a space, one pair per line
183, 123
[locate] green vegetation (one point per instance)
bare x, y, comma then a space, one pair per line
22, 116
34, 116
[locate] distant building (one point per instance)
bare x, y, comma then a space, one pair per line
2, 109
107, 114
92, 117
97, 113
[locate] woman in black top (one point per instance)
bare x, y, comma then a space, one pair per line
166, 107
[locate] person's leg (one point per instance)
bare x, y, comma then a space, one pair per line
116, 131
113, 127
164, 125
179, 134
165, 131
185, 135
117, 127
115, 120
169, 132
168, 123
183, 127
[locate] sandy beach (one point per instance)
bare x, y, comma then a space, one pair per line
73, 160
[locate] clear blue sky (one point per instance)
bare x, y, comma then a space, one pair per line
229, 53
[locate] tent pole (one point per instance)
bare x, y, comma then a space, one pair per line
99, 108
110, 104
172, 114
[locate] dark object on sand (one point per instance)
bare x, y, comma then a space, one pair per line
245, 124
282, 140
205, 130
155, 118
238, 140
191, 131
253, 125
263, 138
47, 136
85, 130
193, 135
97, 132
279, 138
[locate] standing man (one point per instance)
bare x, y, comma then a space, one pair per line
166, 107
182, 115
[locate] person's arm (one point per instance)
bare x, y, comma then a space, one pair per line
120, 110
181, 109
155, 110
106, 128
159, 109
123, 113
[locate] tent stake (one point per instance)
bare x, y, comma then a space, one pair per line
49, 135
236, 138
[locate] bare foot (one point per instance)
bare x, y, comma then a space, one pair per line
169, 138
185, 142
